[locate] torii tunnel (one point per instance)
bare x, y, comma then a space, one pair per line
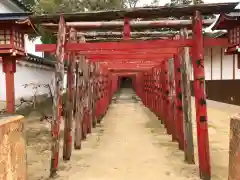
156, 65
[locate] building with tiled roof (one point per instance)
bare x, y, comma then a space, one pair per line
32, 68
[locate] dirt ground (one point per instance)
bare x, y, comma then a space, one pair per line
130, 144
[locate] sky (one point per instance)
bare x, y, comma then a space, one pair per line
30, 46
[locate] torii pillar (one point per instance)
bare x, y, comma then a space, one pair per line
200, 98
9, 68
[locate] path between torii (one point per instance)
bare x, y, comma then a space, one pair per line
132, 144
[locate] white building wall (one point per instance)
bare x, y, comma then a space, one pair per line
26, 75
207, 63
212, 65
216, 63
227, 71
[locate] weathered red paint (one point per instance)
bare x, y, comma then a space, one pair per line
200, 99
131, 51
178, 102
167, 109
130, 56
126, 29
57, 108
150, 44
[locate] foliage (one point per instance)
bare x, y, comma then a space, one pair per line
183, 2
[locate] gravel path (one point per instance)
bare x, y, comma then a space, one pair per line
131, 144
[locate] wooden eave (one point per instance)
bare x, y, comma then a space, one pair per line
226, 21
153, 12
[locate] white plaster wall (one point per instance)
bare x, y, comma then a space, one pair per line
237, 71
227, 71
227, 65
7, 6
216, 63
26, 75
207, 63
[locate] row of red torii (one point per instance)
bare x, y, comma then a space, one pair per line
159, 68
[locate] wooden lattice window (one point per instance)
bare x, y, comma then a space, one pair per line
5, 36
18, 39
234, 36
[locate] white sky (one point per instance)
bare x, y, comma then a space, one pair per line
30, 46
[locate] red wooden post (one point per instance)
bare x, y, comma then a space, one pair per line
146, 89
200, 98
162, 95
158, 91
166, 98
171, 84
68, 123
154, 91
78, 114
79, 98
178, 101
9, 68
126, 29
150, 90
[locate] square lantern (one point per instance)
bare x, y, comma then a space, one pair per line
11, 40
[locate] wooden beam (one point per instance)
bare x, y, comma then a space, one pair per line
150, 12
116, 45
83, 26
151, 44
130, 56
130, 51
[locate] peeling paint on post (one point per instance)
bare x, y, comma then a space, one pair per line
171, 116
79, 96
78, 114
200, 98
186, 103
68, 121
57, 101
162, 93
178, 102
166, 97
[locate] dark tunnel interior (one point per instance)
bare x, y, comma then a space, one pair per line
125, 82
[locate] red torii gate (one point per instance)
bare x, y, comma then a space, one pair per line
197, 44
204, 161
